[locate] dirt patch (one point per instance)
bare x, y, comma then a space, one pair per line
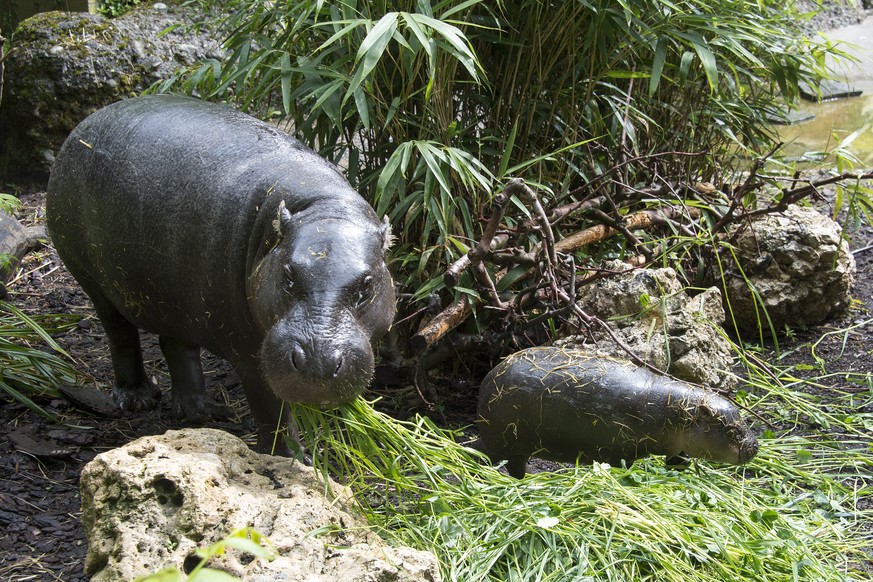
39, 498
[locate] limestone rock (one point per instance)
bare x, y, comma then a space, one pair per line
152, 503
650, 312
798, 263
63, 66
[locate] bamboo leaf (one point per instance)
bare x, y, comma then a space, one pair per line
343, 33
376, 41
658, 65
285, 64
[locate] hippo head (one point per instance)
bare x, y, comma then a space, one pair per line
321, 297
718, 433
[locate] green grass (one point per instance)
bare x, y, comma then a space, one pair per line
801, 510
31, 362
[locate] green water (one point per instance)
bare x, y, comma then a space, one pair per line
835, 122
838, 120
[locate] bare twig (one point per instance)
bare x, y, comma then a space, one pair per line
791, 197
455, 314
747, 186
2, 58
478, 253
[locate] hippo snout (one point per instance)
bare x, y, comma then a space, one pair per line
323, 369
748, 448
330, 363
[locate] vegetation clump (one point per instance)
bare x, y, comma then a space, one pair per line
797, 511
641, 132
630, 117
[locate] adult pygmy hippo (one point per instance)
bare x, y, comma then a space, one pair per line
564, 404
215, 230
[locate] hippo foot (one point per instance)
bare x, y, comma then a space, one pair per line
287, 443
146, 396
516, 466
271, 444
201, 410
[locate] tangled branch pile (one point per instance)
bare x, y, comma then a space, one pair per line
618, 116
524, 281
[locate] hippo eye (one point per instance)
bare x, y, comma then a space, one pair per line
365, 292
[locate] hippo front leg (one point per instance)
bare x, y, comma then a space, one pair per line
516, 466
188, 385
270, 413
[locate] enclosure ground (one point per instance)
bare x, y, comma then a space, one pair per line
42, 536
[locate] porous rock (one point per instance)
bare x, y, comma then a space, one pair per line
649, 310
797, 262
62, 66
152, 503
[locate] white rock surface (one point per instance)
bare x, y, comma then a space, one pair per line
798, 263
152, 503
653, 315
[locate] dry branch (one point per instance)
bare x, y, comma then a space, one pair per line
478, 253
549, 292
445, 321
639, 221
2, 58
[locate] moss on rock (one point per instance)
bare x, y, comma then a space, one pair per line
64, 66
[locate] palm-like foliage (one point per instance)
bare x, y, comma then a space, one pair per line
429, 103
25, 369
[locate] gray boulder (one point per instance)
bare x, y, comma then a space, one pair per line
651, 313
63, 66
798, 264
150, 504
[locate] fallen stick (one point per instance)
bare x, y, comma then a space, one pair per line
640, 221
455, 314
445, 321
15, 242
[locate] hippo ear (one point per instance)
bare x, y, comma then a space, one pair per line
282, 222
387, 235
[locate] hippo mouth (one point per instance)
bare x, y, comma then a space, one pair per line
736, 445
322, 392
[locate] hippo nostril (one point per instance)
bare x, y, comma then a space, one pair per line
298, 358
339, 365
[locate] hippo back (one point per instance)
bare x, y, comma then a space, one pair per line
165, 203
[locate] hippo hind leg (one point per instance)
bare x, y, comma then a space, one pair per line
188, 385
133, 389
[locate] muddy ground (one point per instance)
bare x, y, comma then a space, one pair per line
40, 534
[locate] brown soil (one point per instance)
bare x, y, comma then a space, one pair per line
39, 497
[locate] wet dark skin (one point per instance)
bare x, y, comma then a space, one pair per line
567, 405
217, 231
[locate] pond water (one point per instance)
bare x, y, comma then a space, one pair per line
835, 121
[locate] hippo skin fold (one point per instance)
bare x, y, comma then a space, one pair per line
215, 230
567, 405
